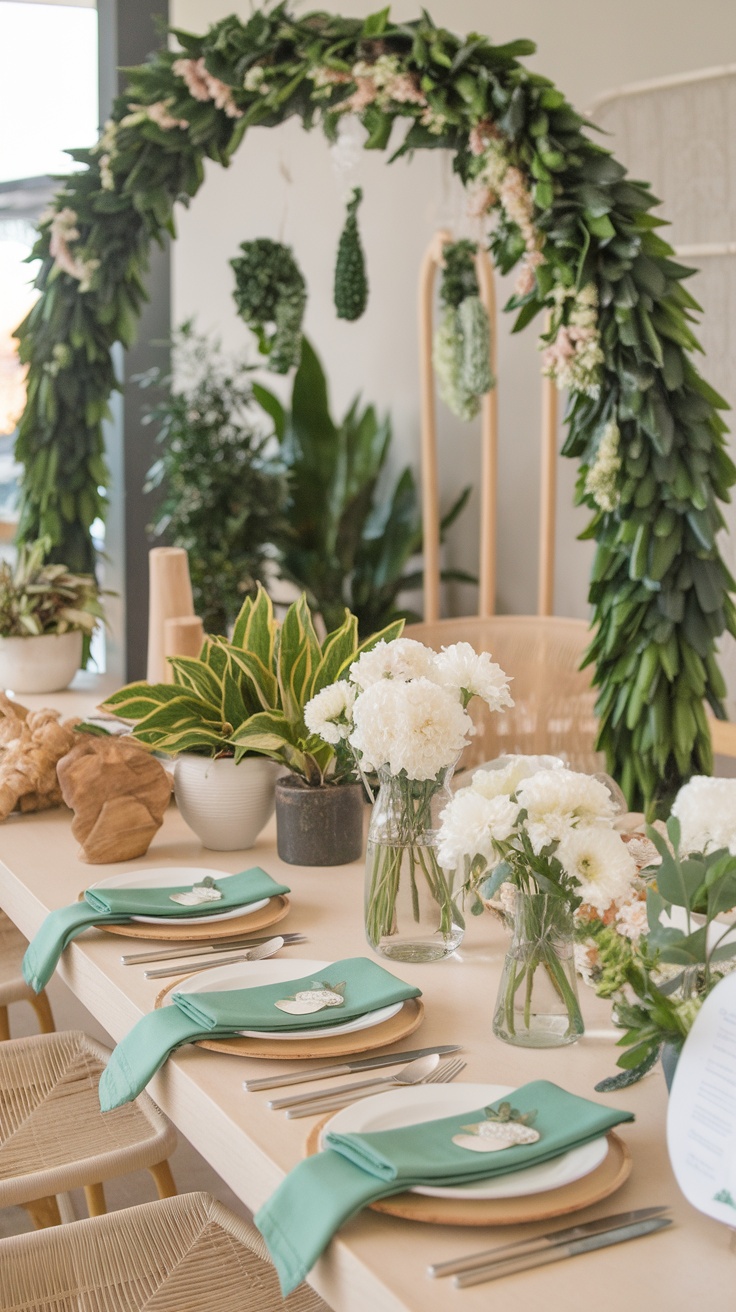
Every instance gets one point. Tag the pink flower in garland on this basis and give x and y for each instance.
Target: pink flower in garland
(202, 85)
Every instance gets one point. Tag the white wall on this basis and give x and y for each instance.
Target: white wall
(587, 47)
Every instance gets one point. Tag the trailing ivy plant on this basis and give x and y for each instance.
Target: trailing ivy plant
(642, 422)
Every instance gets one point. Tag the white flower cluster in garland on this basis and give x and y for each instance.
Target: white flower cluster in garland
(575, 356)
(63, 233)
(601, 480)
(403, 707)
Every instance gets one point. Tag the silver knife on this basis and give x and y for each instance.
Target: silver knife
(195, 950)
(542, 1242)
(208, 963)
(510, 1267)
(346, 1068)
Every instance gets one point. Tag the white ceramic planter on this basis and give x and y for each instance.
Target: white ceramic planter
(225, 804)
(45, 663)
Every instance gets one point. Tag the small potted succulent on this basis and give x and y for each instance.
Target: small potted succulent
(234, 720)
(46, 612)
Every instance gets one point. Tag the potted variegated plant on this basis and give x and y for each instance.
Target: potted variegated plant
(234, 720)
(46, 612)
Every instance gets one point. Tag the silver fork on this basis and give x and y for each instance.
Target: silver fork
(443, 1075)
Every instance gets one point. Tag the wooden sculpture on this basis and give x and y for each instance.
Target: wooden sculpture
(31, 743)
(118, 793)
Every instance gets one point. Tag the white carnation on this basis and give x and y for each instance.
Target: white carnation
(599, 861)
(706, 810)
(417, 727)
(587, 960)
(471, 824)
(329, 714)
(473, 673)
(506, 779)
(401, 659)
(557, 801)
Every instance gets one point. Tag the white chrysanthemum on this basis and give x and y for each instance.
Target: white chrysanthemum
(471, 823)
(330, 713)
(506, 779)
(631, 919)
(600, 863)
(416, 726)
(474, 673)
(401, 659)
(706, 809)
(557, 801)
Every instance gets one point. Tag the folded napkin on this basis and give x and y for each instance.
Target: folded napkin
(364, 984)
(323, 1191)
(116, 906)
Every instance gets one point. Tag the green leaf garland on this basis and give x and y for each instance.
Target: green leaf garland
(579, 232)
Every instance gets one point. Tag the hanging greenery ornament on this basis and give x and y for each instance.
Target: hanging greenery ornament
(462, 342)
(584, 243)
(351, 283)
(271, 295)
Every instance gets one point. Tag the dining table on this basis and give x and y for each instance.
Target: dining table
(377, 1262)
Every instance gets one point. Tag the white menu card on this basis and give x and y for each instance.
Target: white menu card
(701, 1119)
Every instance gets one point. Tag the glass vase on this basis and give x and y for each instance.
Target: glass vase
(410, 914)
(537, 1004)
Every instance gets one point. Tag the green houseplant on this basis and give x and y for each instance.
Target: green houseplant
(239, 707)
(46, 612)
(351, 543)
(223, 491)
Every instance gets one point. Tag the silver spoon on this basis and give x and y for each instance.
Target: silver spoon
(191, 967)
(413, 1073)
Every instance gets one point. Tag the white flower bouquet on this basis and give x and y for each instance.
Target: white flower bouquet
(403, 714)
(545, 835)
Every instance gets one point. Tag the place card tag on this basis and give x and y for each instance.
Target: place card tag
(206, 891)
(701, 1117)
(504, 1127)
(318, 998)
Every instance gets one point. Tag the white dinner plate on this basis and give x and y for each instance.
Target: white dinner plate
(400, 1107)
(251, 974)
(173, 877)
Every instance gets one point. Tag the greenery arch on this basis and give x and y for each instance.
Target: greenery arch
(642, 422)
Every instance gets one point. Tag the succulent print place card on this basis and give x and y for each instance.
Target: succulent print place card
(701, 1118)
(321, 996)
(503, 1127)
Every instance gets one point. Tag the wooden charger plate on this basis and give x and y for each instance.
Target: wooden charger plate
(278, 907)
(613, 1171)
(342, 1045)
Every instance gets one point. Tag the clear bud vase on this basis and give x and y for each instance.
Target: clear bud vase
(410, 914)
(537, 1004)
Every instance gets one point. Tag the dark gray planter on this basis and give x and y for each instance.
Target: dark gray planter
(318, 826)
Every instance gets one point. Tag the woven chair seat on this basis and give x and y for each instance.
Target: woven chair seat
(53, 1136)
(186, 1254)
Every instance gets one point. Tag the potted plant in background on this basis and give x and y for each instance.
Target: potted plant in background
(233, 719)
(45, 615)
(224, 489)
(352, 540)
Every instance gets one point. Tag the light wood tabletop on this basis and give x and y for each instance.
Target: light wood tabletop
(377, 1263)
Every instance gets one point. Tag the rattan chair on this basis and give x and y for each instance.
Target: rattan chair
(13, 987)
(53, 1136)
(187, 1254)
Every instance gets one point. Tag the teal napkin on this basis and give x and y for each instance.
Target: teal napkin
(366, 986)
(115, 906)
(323, 1191)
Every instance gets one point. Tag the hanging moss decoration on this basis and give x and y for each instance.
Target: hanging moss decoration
(270, 292)
(351, 283)
(462, 341)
